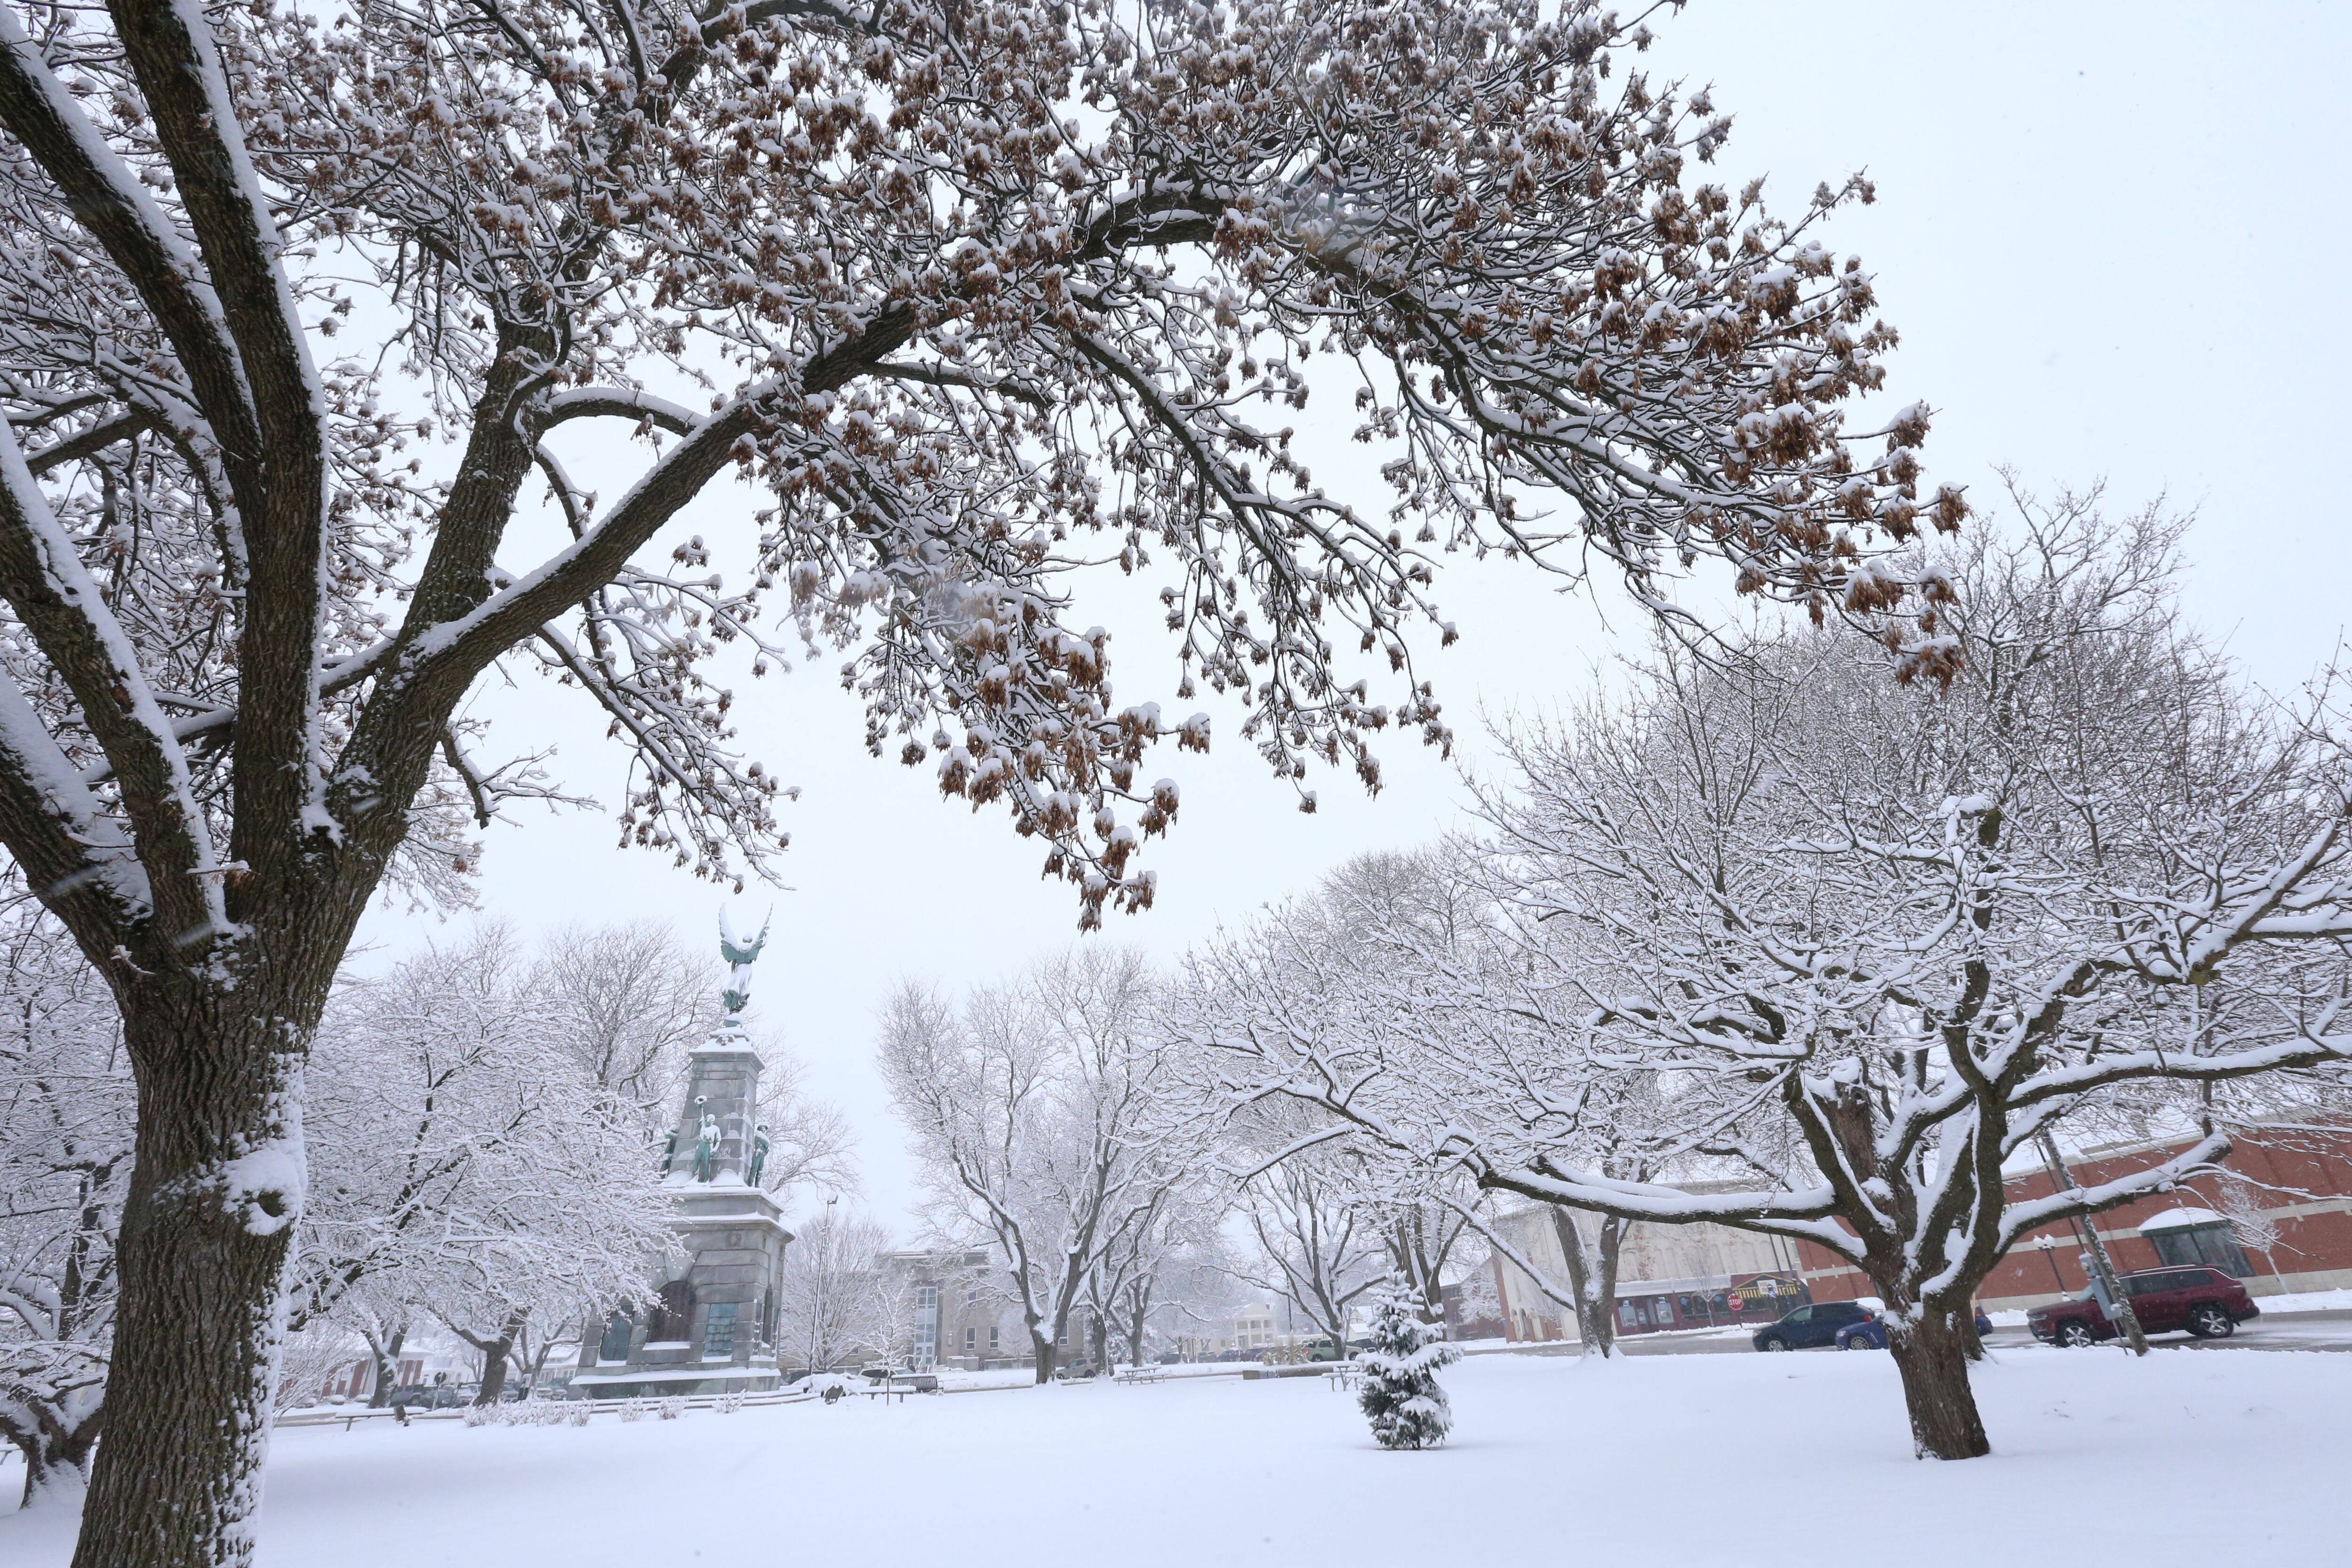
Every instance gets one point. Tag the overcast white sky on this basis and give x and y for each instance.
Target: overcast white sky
(2113, 236)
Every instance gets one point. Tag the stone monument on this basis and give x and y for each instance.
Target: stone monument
(709, 1328)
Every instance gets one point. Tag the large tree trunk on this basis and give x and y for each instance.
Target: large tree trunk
(56, 1452)
(1041, 1345)
(386, 1352)
(1594, 1287)
(496, 1353)
(213, 1199)
(1932, 1357)
(1138, 1304)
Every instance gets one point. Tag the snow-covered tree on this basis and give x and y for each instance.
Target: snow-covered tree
(1149, 1247)
(1400, 1393)
(830, 1297)
(1042, 1117)
(973, 297)
(631, 1000)
(464, 1167)
(66, 1099)
(1319, 1246)
(1864, 944)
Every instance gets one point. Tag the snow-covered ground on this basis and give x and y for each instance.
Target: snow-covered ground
(2306, 1301)
(1759, 1460)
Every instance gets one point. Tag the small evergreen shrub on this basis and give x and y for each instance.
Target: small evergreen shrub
(1400, 1396)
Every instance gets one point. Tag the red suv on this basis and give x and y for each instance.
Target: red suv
(2206, 1302)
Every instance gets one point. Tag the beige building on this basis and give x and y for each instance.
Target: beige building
(1668, 1276)
(951, 1309)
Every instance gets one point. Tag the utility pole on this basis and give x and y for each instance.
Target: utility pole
(2096, 1250)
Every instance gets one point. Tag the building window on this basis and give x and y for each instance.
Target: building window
(991, 1338)
(2209, 1245)
(672, 1320)
(971, 1297)
(970, 1337)
(719, 1330)
(926, 1328)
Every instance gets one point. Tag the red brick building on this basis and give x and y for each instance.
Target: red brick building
(2287, 1209)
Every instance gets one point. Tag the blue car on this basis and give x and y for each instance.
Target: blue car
(1811, 1327)
(1870, 1334)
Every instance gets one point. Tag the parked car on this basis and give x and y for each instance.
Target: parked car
(1870, 1334)
(1811, 1327)
(2205, 1303)
(425, 1397)
(1322, 1348)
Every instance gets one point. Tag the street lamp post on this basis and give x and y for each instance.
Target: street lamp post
(2049, 1245)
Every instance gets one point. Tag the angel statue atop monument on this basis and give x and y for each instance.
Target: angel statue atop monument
(740, 957)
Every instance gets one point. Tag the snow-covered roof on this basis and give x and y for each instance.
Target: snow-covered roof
(2180, 1219)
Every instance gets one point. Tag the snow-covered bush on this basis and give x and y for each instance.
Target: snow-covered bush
(577, 1413)
(633, 1410)
(1400, 1396)
(672, 1408)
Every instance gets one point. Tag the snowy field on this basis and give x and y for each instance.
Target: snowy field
(1760, 1461)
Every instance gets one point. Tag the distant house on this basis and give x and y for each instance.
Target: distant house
(1253, 1328)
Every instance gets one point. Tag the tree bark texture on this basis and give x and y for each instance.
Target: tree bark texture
(1932, 1358)
(1041, 1344)
(213, 1199)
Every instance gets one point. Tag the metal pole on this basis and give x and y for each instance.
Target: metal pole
(2050, 1253)
(2095, 1249)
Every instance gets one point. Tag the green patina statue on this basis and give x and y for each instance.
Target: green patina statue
(706, 1142)
(739, 956)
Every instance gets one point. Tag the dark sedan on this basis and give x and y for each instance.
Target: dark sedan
(1813, 1327)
